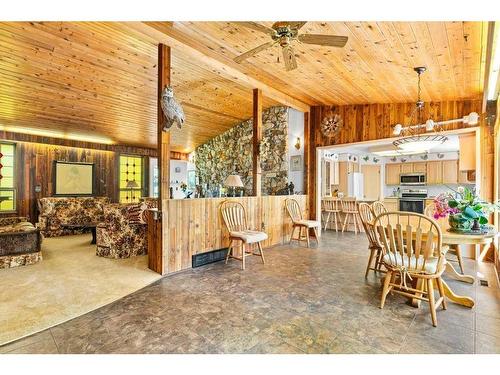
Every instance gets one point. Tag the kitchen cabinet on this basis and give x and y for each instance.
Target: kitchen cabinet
(450, 171)
(330, 174)
(392, 172)
(407, 168)
(391, 204)
(467, 154)
(420, 167)
(434, 172)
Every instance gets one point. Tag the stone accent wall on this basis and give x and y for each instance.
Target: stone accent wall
(231, 153)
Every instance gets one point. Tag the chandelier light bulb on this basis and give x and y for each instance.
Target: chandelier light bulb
(471, 119)
(397, 129)
(429, 125)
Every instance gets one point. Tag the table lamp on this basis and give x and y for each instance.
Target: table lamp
(234, 181)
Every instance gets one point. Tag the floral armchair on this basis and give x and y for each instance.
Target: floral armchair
(123, 233)
(55, 212)
(20, 242)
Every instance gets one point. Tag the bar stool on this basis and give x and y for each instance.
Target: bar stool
(350, 210)
(332, 206)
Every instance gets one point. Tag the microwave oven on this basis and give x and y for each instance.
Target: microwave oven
(412, 179)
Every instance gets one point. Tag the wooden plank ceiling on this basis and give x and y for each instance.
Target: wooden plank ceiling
(375, 66)
(100, 78)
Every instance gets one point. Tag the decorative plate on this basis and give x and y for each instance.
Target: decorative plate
(331, 124)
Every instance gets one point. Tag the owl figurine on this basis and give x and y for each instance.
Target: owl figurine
(172, 110)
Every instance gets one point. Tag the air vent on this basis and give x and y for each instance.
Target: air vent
(209, 257)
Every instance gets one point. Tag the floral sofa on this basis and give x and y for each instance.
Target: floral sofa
(20, 242)
(123, 233)
(55, 212)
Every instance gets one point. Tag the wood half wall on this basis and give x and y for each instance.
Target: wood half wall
(195, 226)
(368, 122)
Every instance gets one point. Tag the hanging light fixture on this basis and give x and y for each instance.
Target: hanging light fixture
(418, 142)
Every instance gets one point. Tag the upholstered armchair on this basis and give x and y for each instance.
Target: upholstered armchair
(123, 232)
(20, 242)
(55, 212)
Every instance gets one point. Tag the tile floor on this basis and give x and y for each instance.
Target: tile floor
(302, 301)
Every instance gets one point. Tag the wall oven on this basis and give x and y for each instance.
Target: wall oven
(413, 200)
(412, 179)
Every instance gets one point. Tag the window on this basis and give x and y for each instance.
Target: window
(154, 189)
(131, 178)
(7, 187)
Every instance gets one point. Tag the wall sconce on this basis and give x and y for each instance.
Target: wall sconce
(297, 143)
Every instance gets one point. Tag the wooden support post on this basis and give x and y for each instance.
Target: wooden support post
(157, 254)
(257, 138)
(307, 156)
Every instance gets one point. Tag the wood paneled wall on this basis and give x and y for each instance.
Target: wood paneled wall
(195, 225)
(34, 167)
(367, 122)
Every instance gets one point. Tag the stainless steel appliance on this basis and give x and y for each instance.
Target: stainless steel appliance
(412, 179)
(413, 200)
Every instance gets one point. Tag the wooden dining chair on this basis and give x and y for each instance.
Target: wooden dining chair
(366, 215)
(412, 249)
(235, 220)
(295, 213)
(378, 208)
(350, 210)
(331, 207)
(429, 211)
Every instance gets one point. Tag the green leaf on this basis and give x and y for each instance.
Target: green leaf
(483, 220)
(478, 207)
(453, 203)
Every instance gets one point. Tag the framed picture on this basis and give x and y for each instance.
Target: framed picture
(296, 163)
(73, 179)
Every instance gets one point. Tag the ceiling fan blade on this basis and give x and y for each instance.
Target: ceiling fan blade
(296, 25)
(289, 58)
(253, 51)
(324, 40)
(258, 27)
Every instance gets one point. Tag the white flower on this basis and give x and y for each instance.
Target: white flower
(460, 189)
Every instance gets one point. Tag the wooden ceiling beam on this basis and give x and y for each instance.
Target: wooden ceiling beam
(220, 65)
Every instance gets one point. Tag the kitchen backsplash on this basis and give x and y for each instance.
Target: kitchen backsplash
(432, 190)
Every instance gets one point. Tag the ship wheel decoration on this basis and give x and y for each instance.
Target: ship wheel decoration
(331, 124)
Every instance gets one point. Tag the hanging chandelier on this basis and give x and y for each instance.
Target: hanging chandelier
(417, 141)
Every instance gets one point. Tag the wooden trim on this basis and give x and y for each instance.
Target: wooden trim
(488, 57)
(307, 154)
(257, 138)
(30, 138)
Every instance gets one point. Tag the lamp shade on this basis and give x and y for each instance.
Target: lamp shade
(132, 184)
(233, 180)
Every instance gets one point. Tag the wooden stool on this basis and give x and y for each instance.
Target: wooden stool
(350, 210)
(332, 208)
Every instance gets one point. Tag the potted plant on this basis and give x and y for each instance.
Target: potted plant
(466, 212)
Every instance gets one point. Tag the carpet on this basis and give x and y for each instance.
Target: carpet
(70, 281)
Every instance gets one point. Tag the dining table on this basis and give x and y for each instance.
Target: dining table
(481, 241)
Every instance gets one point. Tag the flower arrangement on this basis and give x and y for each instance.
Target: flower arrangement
(465, 210)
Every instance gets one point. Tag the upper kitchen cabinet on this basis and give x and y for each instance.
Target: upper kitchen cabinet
(392, 172)
(420, 167)
(467, 158)
(407, 168)
(450, 171)
(434, 172)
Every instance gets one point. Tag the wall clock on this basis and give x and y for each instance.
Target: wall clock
(331, 124)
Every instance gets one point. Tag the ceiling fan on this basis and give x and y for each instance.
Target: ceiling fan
(284, 33)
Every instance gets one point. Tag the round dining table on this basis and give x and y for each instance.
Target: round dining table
(454, 240)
